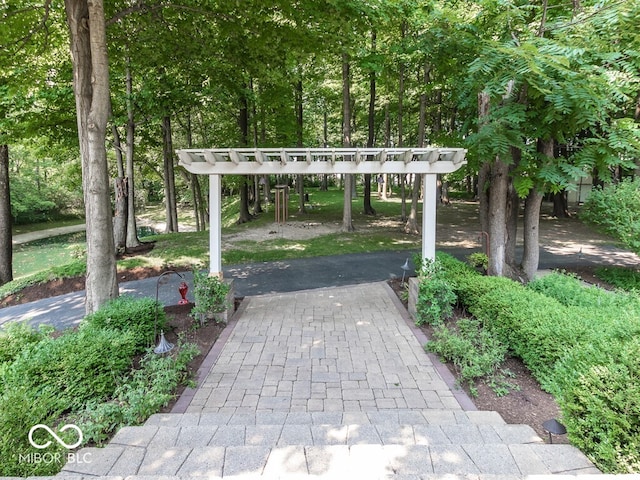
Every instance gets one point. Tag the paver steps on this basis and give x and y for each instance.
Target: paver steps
(399, 444)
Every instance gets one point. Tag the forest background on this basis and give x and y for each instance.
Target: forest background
(541, 93)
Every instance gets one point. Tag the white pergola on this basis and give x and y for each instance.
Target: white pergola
(215, 162)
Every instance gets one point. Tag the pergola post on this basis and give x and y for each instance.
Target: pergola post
(215, 226)
(429, 217)
(215, 162)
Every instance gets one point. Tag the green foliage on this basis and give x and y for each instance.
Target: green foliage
(210, 293)
(17, 336)
(82, 377)
(144, 392)
(475, 351)
(601, 403)
(435, 294)
(478, 260)
(582, 345)
(616, 209)
(20, 409)
(76, 366)
(128, 314)
(50, 378)
(624, 278)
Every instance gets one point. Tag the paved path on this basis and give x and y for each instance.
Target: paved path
(47, 233)
(333, 384)
(327, 350)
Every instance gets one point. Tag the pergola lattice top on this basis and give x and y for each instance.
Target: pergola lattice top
(280, 161)
(313, 161)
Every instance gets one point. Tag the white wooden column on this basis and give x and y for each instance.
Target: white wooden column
(215, 226)
(429, 216)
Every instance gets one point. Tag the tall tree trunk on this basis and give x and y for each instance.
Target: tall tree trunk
(403, 194)
(347, 221)
(88, 47)
(531, 251)
(412, 222)
(199, 205)
(387, 143)
(299, 142)
(243, 123)
(324, 185)
(498, 190)
(132, 225)
(371, 124)
(120, 188)
(6, 246)
(560, 205)
(171, 208)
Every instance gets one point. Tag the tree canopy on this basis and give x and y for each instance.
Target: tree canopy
(558, 81)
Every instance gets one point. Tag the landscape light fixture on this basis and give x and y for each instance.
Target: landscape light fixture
(405, 268)
(554, 427)
(163, 345)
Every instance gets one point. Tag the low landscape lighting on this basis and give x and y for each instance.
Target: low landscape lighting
(405, 268)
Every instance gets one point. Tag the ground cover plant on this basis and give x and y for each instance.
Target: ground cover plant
(83, 377)
(580, 343)
(623, 278)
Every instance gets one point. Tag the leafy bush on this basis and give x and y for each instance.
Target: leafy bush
(142, 394)
(475, 352)
(20, 409)
(435, 294)
(210, 293)
(616, 209)
(17, 336)
(621, 277)
(49, 378)
(601, 404)
(76, 366)
(135, 315)
(582, 344)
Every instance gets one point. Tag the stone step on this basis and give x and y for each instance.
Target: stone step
(155, 436)
(367, 461)
(430, 476)
(399, 417)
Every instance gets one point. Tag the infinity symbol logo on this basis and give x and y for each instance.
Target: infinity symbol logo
(57, 438)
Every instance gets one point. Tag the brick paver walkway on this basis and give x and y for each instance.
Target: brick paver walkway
(330, 383)
(345, 349)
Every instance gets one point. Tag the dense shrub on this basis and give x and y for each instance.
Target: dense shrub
(49, 380)
(142, 394)
(76, 366)
(616, 209)
(435, 293)
(135, 315)
(582, 344)
(600, 400)
(17, 336)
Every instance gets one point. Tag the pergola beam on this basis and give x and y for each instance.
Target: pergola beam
(313, 161)
(214, 162)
